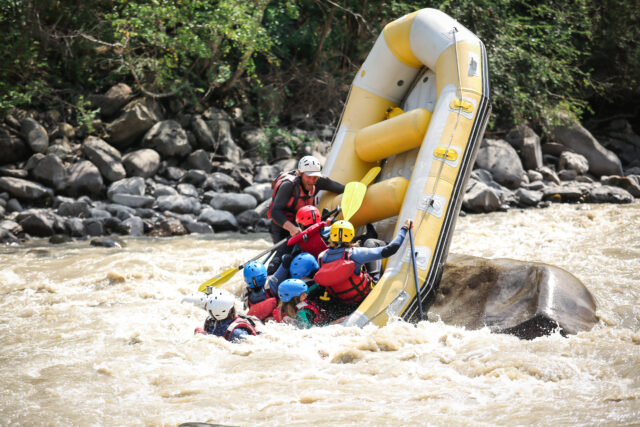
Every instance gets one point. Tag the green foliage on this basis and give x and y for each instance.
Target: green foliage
(85, 115)
(544, 55)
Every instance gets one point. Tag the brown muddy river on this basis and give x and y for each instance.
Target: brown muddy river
(96, 336)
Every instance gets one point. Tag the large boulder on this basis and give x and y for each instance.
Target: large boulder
(84, 178)
(522, 298)
(137, 118)
(35, 135)
(23, 189)
(50, 171)
(143, 163)
(575, 137)
(111, 102)
(168, 138)
(12, 148)
(501, 159)
(107, 158)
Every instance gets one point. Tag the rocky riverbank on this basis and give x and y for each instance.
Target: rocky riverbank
(152, 169)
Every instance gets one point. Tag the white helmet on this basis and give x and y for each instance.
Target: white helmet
(219, 304)
(309, 165)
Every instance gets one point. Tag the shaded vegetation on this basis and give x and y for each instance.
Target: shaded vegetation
(285, 61)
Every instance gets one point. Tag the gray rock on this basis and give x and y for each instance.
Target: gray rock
(133, 200)
(78, 209)
(567, 174)
(577, 138)
(173, 173)
(516, 136)
(144, 162)
(573, 161)
(11, 226)
(501, 159)
(248, 218)
(568, 193)
(25, 190)
(528, 197)
(260, 192)
(61, 148)
(549, 175)
(35, 135)
(7, 237)
(168, 227)
(222, 183)
(36, 222)
(107, 159)
(187, 190)
(50, 171)
(13, 172)
(253, 138)
(203, 134)
(111, 102)
(521, 298)
(199, 159)
(196, 227)
(12, 148)
(99, 213)
(266, 173)
(194, 176)
(263, 208)
(75, 227)
(219, 220)
(121, 212)
(164, 190)
(627, 182)
(93, 226)
(609, 194)
(480, 197)
(134, 186)
(108, 242)
(232, 202)
(84, 178)
(132, 124)
(133, 226)
(168, 138)
(178, 203)
(13, 205)
(531, 152)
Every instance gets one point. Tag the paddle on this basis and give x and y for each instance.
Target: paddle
(226, 275)
(415, 273)
(354, 193)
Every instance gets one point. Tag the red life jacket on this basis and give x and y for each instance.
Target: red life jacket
(298, 199)
(278, 314)
(340, 279)
(310, 240)
(240, 322)
(320, 316)
(263, 309)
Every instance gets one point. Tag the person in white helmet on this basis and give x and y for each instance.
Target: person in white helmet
(292, 191)
(223, 321)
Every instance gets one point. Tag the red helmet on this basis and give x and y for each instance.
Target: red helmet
(308, 215)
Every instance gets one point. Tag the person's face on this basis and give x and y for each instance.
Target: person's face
(308, 181)
(303, 296)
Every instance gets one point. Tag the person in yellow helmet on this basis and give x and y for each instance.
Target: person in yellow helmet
(342, 270)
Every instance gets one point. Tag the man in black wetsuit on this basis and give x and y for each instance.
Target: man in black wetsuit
(291, 192)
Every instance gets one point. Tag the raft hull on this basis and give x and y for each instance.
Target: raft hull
(436, 71)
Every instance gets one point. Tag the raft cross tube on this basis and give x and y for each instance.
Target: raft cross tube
(393, 136)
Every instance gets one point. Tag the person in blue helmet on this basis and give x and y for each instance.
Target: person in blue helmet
(294, 307)
(223, 321)
(261, 293)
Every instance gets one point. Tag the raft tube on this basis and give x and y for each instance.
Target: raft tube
(418, 107)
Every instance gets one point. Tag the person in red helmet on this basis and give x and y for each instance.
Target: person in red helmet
(316, 231)
(292, 191)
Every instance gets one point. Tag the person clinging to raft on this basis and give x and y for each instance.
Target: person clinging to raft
(342, 267)
(291, 191)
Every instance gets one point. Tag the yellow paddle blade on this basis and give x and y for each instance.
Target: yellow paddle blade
(352, 198)
(371, 175)
(219, 280)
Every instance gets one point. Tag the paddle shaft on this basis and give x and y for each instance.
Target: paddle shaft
(415, 273)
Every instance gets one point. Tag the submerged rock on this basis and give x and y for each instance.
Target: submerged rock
(525, 299)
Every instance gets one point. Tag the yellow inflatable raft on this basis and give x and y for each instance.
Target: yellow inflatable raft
(418, 108)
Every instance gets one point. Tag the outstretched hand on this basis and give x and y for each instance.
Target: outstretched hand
(408, 224)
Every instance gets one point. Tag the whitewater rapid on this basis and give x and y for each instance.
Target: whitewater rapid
(98, 336)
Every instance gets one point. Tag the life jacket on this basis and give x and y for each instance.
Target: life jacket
(298, 199)
(259, 295)
(263, 309)
(341, 280)
(279, 315)
(240, 322)
(320, 316)
(310, 240)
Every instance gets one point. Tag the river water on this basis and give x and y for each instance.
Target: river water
(97, 336)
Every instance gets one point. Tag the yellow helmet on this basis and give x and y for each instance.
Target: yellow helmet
(342, 232)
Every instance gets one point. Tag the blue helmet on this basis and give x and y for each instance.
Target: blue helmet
(255, 274)
(291, 288)
(303, 265)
